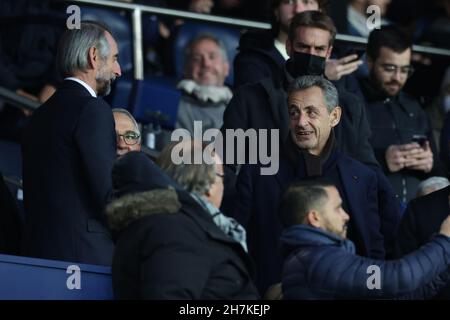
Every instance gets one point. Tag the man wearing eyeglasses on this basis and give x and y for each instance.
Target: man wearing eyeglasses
(127, 132)
(401, 135)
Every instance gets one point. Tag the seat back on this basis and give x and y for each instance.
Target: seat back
(38, 279)
(155, 102)
(189, 30)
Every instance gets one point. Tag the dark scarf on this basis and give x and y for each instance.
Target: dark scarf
(314, 165)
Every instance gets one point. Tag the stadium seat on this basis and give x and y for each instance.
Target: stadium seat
(10, 159)
(155, 101)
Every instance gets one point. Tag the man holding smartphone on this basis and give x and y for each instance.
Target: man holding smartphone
(401, 135)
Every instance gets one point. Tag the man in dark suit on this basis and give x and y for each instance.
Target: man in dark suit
(421, 221)
(262, 105)
(311, 153)
(68, 153)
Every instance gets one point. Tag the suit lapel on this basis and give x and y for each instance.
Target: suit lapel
(355, 194)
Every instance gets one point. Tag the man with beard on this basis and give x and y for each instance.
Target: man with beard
(401, 135)
(320, 262)
(68, 152)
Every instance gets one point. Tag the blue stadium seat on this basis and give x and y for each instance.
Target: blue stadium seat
(187, 31)
(38, 279)
(10, 159)
(155, 101)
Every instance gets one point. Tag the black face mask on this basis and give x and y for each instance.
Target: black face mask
(302, 64)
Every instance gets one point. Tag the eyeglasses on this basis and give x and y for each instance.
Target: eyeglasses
(392, 69)
(130, 137)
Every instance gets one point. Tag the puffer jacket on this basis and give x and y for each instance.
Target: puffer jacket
(319, 265)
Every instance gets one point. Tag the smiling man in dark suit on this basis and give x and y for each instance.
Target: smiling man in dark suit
(311, 153)
(68, 153)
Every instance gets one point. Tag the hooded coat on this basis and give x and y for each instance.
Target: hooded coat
(168, 246)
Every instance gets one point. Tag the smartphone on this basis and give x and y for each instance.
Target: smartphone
(420, 139)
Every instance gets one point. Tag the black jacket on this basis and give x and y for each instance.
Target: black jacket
(68, 153)
(168, 245)
(422, 219)
(395, 121)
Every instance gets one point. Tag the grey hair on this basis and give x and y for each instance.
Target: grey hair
(129, 115)
(435, 183)
(201, 37)
(74, 45)
(329, 91)
(196, 178)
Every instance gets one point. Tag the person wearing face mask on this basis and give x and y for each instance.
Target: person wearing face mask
(263, 54)
(261, 105)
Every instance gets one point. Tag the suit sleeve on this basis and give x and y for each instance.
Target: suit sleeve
(349, 275)
(390, 212)
(376, 249)
(406, 237)
(95, 138)
(244, 196)
(234, 117)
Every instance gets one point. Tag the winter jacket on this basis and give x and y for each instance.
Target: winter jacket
(320, 265)
(168, 246)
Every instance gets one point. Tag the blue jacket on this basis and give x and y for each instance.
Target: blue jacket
(258, 198)
(320, 265)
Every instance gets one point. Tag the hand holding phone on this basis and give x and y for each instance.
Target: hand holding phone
(420, 139)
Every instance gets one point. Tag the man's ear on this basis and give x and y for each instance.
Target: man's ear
(335, 116)
(93, 57)
(314, 219)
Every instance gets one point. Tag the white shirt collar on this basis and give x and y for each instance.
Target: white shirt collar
(281, 47)
(84, 84)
